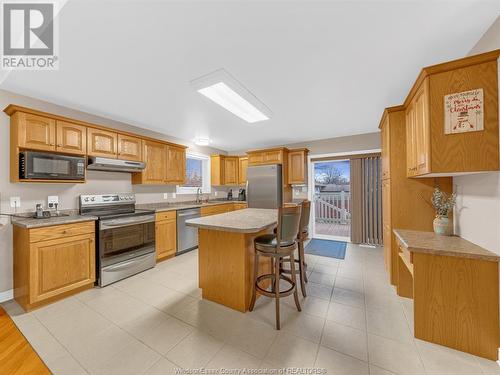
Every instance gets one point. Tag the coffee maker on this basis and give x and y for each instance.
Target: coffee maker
(242, 195)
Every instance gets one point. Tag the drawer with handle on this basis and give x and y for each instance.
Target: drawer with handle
(64, 230)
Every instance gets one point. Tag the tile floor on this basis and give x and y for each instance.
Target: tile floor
(352, 323)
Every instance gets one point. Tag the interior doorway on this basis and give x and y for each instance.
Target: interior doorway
(332, 200)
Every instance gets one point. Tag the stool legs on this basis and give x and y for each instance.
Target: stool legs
(277, 291)
(302, 268)
(255, 276)
(294, 279)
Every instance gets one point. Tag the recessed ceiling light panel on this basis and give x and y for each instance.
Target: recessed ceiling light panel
(225, 90)
(202, 141)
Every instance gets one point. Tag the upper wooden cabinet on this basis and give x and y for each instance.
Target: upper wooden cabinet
(297, 166)
(224, 170)
(34, 132)
(432, 151)
(231, 176)
(384, 155)
(268, 156)
(102, 143)
(176, 165)
(71, 138)
(242, 170)
(129, 148)
(155, 157)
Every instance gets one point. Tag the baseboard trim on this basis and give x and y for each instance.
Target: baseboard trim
(7, 295)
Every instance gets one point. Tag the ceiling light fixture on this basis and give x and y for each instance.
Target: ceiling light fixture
(202, 141)
(225, 90)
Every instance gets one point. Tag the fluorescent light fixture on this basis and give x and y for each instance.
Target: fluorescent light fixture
(202, 141)
(225, 90)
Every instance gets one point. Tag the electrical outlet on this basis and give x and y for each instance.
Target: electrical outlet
(296, 191)
(15, 202)
(215, 193)
(174, 195)
(165, 195)
(52, 200)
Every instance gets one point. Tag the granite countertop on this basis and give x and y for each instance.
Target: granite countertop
(161, 207)
(30, 222)
(431, 243)
(248, 220)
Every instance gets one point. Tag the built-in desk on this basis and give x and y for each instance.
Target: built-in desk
(454, 286)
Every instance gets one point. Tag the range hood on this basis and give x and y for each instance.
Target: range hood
(97, 163)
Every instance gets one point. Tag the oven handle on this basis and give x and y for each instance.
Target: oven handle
(121, 266)
(105, 225)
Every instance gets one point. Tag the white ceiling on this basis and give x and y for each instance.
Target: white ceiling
(325, 69)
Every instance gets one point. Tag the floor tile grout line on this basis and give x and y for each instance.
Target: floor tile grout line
(60, 343)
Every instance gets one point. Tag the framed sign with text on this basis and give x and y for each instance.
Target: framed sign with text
(464, 112)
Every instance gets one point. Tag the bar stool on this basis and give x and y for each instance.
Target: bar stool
(301, 237)
(277, 247)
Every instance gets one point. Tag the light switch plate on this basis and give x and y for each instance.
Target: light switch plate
(174, 195)
(15, 202)
(215, 193)
(52, 200)
(165, 195)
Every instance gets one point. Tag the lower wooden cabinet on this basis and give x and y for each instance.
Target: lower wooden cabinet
(239, 206)
(216, 209)
(52, 262)
(166, 234)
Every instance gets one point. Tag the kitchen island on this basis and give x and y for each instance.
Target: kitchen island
(226, 254)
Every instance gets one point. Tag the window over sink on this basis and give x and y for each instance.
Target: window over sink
(197, 174)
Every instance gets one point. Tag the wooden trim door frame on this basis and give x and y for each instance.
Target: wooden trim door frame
(336, 156)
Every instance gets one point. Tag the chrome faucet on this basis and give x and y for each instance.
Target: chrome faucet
(199, 193)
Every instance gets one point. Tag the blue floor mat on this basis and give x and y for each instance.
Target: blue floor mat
(326, 248)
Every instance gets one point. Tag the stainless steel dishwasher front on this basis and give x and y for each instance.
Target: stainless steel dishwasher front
(187, 237)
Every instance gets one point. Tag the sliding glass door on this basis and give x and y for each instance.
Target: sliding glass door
(332, 200)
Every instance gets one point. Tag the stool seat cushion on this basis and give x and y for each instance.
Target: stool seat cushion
(269, 241)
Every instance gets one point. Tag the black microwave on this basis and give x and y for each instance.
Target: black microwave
(49, 166)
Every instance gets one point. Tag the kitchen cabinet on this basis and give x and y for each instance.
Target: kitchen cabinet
(71, 138)
(297, 166)
(52, 262)
(34, 132)
(430, 151)
(176, 165)
(155, 173)
(166, 234)
(242, 170)
(403, 199)
(224, 170)
(385, 152)
(129, 148)
(216, 209)
(268, 156)
(239, 206)
(231, 176)
(102, 143)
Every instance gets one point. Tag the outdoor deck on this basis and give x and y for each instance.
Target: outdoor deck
(332, 229)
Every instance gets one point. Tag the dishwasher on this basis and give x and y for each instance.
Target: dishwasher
(187, 237)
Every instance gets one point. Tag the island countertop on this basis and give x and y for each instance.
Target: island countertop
(248, 220)
(431, 243)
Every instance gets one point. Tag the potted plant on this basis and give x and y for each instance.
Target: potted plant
(443, 204)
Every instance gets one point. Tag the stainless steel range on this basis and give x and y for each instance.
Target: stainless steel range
(125, 242)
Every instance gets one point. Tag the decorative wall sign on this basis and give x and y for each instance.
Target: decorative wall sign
(463, 112)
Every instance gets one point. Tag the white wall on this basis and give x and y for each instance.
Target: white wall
(477, 215)
(97, 182)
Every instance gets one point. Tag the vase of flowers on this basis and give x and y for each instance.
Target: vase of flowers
(443, 204)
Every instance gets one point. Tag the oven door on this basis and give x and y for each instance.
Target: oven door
(126, 238)
(48, 166)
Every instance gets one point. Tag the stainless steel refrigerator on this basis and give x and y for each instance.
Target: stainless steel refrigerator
(264, 186)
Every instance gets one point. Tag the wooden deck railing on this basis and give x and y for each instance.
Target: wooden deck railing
(332, 207)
